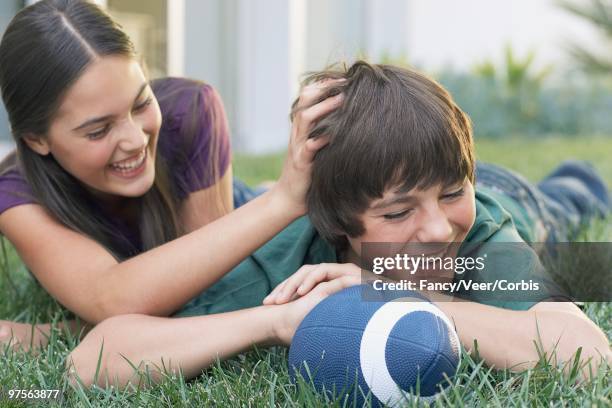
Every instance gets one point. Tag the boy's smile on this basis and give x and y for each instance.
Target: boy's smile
(434, 215)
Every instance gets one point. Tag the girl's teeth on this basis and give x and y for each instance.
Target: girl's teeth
(131, 165)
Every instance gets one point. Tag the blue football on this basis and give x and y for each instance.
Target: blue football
(385, 349)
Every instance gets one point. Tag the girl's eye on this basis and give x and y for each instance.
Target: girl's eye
(143, 105)
(455, 194)
(99, 133)
(397, 215)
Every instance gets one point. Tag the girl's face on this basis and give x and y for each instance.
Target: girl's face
(106, 129)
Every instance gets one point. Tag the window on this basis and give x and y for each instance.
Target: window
(145, 21)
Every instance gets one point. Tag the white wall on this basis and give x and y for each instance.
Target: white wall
(461, 33)
(387, 29)
(253, 51)
(242, 47)
(7, 10)
(335, 31)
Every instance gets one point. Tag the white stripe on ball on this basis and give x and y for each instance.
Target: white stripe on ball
(374, 341)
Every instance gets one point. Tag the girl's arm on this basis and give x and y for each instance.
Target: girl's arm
(86, 279)
(150, 343)
(191, 343)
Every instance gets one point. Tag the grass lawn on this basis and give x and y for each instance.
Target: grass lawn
(260, 377)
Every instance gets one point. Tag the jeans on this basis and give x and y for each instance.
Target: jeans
(244, 193)
(562, 204)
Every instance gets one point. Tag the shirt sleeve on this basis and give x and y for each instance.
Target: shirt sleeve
(194, 138)
(14, 189)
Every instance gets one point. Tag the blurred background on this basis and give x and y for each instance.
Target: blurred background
(519, 68)
(534, 75)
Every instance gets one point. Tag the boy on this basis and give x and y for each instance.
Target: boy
(400, 167)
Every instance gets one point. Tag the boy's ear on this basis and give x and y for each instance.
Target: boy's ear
(37, 143)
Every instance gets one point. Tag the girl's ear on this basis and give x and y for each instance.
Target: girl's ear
(37, 143)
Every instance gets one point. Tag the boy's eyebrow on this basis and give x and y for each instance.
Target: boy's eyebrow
(107, 117)
(398, 199)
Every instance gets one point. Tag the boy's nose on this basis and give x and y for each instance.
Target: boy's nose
(434, 226)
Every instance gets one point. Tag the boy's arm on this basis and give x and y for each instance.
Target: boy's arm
(508, 338)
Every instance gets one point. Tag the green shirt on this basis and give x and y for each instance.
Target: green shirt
(299, 244)
(248, 283)
(501, 231)
(498, 211)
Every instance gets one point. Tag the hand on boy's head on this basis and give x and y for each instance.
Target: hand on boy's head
(295, 176)
(316, 92)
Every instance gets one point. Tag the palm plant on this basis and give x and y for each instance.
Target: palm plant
(598, 13)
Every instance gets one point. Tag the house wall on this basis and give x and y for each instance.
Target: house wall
(7, 11)
(255, 51)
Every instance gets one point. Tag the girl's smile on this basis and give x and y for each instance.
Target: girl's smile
(131, 167)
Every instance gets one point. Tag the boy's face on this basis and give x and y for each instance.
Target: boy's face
(434, 215)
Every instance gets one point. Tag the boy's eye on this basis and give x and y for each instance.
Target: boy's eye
(397, 215)
(143, 105)
(98, 133)
(455, 194)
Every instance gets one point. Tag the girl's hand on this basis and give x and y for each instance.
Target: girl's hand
(28, 337)
(295, 177)
(293, 313)
(308, 276)
(24, 336)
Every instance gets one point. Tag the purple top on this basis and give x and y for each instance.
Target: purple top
(193, 140)
(192, 108)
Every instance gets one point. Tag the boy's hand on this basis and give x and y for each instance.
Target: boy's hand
(309, 276)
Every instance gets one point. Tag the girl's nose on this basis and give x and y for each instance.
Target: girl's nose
(132, 138)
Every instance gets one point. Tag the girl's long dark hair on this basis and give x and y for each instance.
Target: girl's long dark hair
(44, 50)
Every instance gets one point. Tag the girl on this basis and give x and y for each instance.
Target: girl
(111, 209)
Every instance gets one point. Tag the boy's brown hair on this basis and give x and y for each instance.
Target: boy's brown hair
(397, 129)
